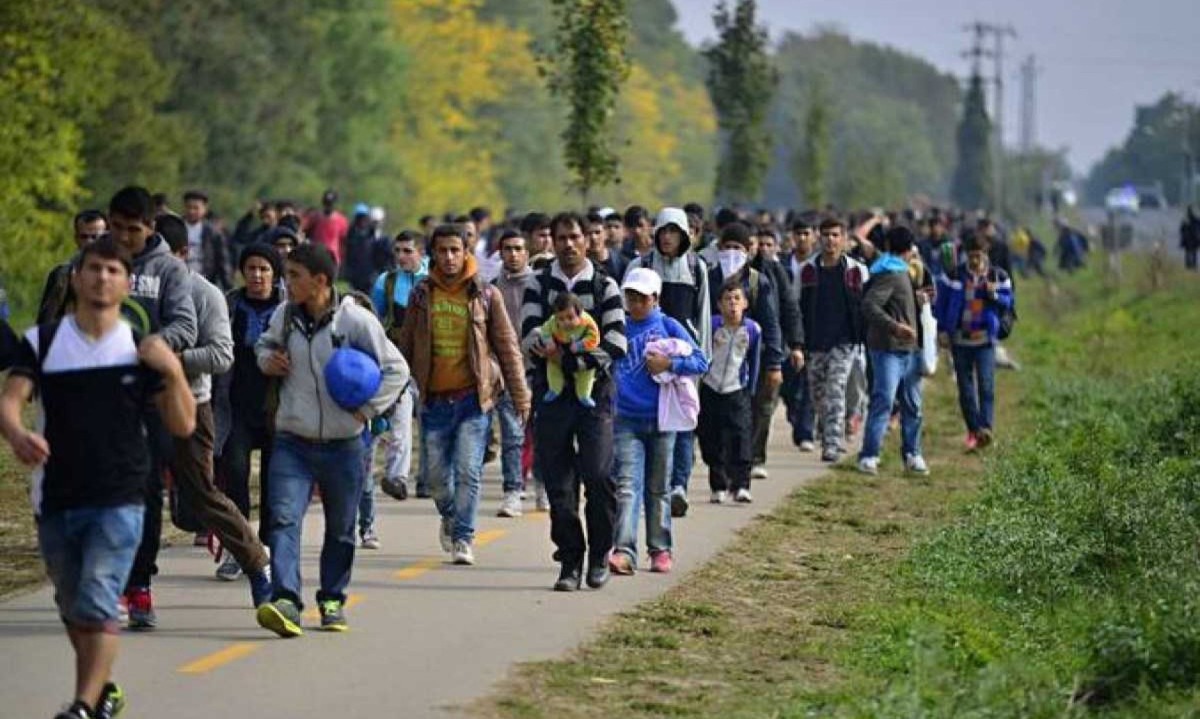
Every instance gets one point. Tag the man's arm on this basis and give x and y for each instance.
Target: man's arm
(270, 342)
(532, 313)
(504, 343)
(766, 313)
(29, 447)
(371, 338)
(213, 352)
(175, 403)
(704, 328)
(177, 313)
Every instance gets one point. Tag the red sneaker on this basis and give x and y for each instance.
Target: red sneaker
(660, 562)
(972, 442)
(141, 608)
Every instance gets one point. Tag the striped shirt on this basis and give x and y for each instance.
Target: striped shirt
(600, 297)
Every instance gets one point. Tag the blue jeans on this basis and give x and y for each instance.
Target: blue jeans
(642, 465)
(801, 413)
(512, 439)
(366, 503)
(975, 372)
(337, 469)
(88, 553)
(683, 459)
(454, 436)
(894, 372)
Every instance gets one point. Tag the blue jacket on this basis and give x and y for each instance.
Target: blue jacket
(951, 299)
(637, 392)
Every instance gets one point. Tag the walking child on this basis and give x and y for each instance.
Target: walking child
(726, 393)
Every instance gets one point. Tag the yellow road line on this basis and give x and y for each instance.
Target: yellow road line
(485, 538)
(231, 653)
(416, 569)
(423, 566)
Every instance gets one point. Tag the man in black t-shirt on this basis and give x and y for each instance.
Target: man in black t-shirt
(93, 380)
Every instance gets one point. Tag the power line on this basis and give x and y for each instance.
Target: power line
(998, 33)
(1029, 75)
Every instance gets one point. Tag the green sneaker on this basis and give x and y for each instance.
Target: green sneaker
(333, 616)
(280, 616)
(112, 702)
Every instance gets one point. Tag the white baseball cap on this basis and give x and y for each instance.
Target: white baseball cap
(644, 281)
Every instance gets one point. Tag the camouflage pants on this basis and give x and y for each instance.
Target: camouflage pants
(828, 373)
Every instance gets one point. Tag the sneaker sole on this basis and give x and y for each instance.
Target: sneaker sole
(464, 562)
(269, 617)
(343, 627)
(229, 577)
(679, 505)
(506, 513)
(142, 625)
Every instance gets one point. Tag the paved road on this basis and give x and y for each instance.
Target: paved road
(426, 637)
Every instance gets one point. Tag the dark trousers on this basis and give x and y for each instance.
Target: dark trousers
(574, 445)
(725, 438)
(763, 406)
(192, 470)
(144, 562)
(243, 439)
(1189, 257)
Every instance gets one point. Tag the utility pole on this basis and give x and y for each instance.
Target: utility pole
(998, 33)
(1029, 73)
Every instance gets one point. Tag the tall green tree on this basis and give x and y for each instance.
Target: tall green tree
(972, 185)
(811, 164)
(741, 82)
(589, 66)
(1155, 150)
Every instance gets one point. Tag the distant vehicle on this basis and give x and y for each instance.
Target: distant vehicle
(1151, 197)
(1123, 200)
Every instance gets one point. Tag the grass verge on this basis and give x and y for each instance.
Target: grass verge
(1053, 578)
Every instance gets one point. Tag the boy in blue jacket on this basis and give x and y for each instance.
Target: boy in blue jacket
(643, 453)
(968, 311)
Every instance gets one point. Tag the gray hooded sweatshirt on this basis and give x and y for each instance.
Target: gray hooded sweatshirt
(161, 287)
(306, 408)
(213, 350)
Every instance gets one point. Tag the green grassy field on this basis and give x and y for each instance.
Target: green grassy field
(1054, 576)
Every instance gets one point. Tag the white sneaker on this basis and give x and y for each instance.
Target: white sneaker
(719, 497)
(445, 534)
(743, 496)
(510, 506)
(370, 539)
(868, 465)
(808, 446)
(229, 570)
(542, 503)
(759, 472)
(915, 463)
(462, 553)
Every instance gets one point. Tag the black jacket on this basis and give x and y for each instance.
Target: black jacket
(855, 275)
(791, 320)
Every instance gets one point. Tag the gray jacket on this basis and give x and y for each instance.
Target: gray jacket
(161, 287)
(213, 352)
(305, 407)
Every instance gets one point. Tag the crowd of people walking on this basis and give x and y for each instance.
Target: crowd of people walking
(587, 352)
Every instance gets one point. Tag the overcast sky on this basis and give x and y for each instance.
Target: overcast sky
(1099, 58)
